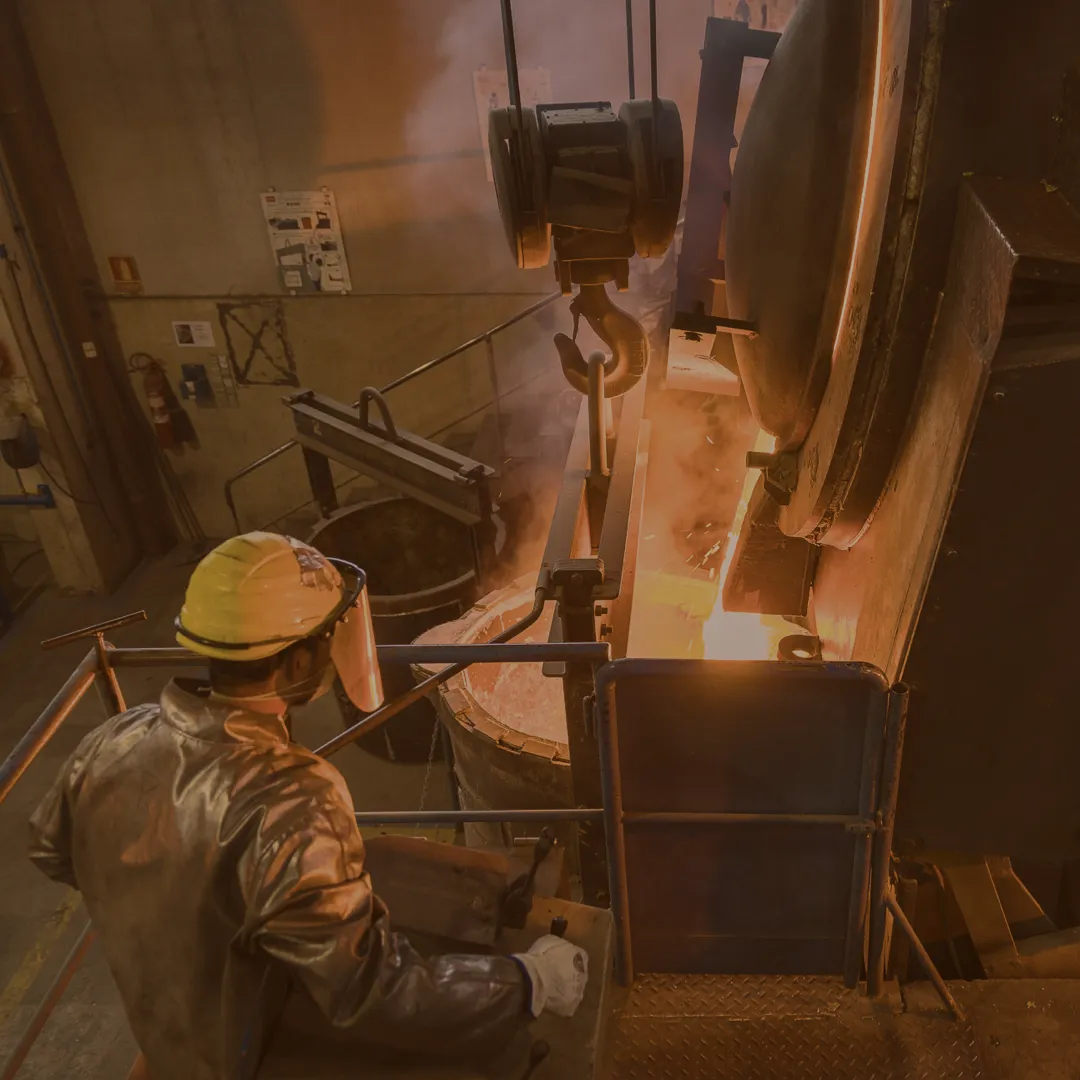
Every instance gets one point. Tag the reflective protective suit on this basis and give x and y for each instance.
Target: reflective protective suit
(217, 859)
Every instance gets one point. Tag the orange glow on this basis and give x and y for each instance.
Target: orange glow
(738, 635)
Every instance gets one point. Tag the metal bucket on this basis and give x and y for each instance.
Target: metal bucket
(507, 723)
(421, 571)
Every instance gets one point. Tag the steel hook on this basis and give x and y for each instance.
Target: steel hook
(620, 331)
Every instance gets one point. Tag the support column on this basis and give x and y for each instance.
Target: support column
(51, 284)
(62, 532)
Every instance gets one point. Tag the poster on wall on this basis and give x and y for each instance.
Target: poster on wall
(305, 237)
(193, 335)
(491, 91)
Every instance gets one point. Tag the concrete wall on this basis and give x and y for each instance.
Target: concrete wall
(174, 116)
(59, 531)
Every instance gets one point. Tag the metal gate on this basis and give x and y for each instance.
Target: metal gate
(742, 802)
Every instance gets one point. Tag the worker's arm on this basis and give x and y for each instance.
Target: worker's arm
(311, 907)
(50, 827)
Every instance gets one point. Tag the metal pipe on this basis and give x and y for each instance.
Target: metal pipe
(155, 657)
(460, 817)
(379, 717)
(493, 377)
(630, 45)
(49, 1002)
(923, 956)
(94, 630)
(494, 652)
(264, 460)
(655, 125)
(42, 500)
(473, 341)
(598, 460)
(46, 725)
(649, 817)
(392, 385)
(112, 697)
(652, 60)
(614, 837)
(512, 87)
(879, 873)
(858, 897)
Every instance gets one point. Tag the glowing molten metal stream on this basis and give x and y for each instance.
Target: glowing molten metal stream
(739, 635)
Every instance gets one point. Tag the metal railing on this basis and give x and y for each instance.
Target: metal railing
(486, 339)
(98, 668)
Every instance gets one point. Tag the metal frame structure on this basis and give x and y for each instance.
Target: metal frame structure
(327, 429)
(882, 741)
(486, 339)
(590, 560)
(98, 668)
(605, 818)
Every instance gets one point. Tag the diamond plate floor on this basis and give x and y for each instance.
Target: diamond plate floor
(677, 1027)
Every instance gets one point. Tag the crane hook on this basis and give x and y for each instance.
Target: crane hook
(620, 331)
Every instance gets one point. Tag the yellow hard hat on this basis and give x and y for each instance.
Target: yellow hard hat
(256, 594)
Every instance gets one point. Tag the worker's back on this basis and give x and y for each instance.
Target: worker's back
(171, 825)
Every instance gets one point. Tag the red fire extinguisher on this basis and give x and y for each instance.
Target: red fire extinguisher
(156, 389)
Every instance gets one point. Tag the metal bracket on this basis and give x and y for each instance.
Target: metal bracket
(781, 471)
(43, 500)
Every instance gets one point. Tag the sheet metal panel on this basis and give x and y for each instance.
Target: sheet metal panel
(744, 737)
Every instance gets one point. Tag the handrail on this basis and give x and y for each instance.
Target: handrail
(99, 662)
(429, 365)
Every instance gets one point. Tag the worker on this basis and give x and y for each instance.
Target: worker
(221, 864)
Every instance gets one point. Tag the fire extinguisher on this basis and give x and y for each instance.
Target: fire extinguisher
(156, 389)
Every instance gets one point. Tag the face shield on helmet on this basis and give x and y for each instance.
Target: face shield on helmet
(352, 645)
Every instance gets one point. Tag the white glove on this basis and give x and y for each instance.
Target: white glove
(558, 972)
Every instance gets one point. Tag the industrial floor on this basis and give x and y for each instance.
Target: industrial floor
(87, 1037)
(668, 1027)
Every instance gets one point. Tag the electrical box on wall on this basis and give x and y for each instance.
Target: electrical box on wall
(195, 385)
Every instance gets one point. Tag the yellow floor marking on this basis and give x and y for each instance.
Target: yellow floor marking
(30, 966)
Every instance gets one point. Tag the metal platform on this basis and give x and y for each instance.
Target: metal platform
(783, 1028)
(810, 1028)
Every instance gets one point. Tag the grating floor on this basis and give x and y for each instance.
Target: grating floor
(750, 1027)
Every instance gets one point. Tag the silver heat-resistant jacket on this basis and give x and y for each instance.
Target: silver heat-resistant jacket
(219, 861)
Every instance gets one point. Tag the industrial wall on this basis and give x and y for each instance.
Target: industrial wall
(173, 118)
